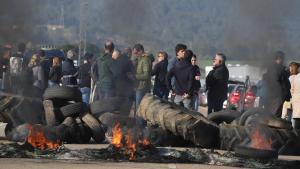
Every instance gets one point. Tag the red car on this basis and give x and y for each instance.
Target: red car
(241, 97)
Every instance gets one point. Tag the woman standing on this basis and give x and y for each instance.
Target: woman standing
(37, 72)
(295, 91)
(196, 84)
(55, 72)
(160, 71)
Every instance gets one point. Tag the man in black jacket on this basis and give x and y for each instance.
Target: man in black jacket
(183, 72)
(217, 84)
(278, 85)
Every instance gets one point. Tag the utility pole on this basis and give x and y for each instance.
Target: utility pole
(82, 29)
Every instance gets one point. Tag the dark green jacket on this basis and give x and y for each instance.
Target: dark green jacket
(107, 72)
(143, 73)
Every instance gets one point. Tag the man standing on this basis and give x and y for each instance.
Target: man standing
(143, 73)
(84, 76)
(217, 84)
(108, 70)
(278, 85)
(179, 51)
(184, 74)
(69, 72)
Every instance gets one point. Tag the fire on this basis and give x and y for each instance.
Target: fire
(117, 136)
(260, 141)
(130, 146)
(144, 142)
(38, 140)
(129, 142)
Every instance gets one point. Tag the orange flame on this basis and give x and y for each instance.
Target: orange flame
(130, 146)
(117, 136)
(38, 140)
(260, 141)
(144, 142)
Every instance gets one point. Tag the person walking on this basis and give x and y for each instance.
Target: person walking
(160, 71)
(217, 84)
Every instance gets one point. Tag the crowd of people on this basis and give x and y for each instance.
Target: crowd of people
(127, 74)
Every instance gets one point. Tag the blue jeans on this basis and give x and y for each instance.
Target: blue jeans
(179, 100)
(85, 92)
(139, 94)
(195, 102)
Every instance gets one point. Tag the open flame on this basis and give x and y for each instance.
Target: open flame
(129, 143)
(117, 136)
(259, 141)
(38, 140)
(130, 146)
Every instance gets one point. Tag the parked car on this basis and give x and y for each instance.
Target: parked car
(202, 96)
(241, 96)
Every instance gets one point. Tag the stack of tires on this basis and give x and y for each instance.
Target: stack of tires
(18, 109)
(112, 110)
(63, 105)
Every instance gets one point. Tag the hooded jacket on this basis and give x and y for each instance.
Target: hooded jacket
(184, 74)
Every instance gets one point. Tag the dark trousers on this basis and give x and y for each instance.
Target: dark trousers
(214, 105)
(297, 123)
(161, 91)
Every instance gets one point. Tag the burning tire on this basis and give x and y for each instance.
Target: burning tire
(258, 116)
(224, 116)
(95, 126)
(63, 92)
(74, 110)
(255, 153)
(282, 140)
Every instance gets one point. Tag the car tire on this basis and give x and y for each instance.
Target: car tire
(224, 116)
(105, 105)
(96, 127)
(250, 152)
(63, 92)
(283, 140)
(73, 110)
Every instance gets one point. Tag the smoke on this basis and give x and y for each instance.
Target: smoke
(129, 19)
(242, 29)
(257, 29)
